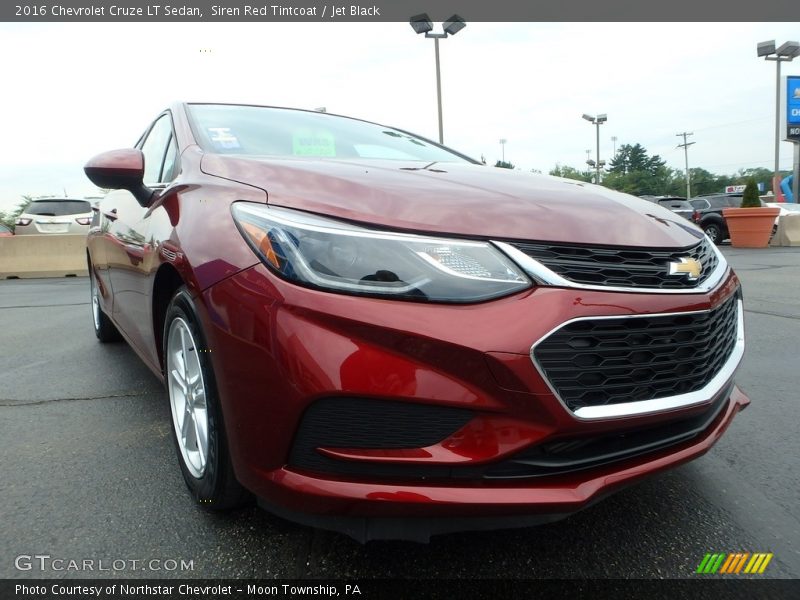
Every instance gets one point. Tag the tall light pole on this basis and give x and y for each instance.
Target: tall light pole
(503, 146)
(787, 52)
(614, 141)
(685, 145)
(422, 24)
(597, 121)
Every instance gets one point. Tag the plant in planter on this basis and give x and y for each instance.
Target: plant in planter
(751, 225)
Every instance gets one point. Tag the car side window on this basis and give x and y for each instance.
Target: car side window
(168, 172)
(154, 149)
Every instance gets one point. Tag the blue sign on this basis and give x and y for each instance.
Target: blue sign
(793, 100)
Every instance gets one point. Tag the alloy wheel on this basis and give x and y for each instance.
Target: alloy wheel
(95, 303)
(187, 396)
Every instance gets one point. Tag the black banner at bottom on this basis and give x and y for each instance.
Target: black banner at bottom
(401, 589)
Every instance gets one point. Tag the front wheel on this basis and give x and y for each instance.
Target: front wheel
(714, 232)
(197, 425)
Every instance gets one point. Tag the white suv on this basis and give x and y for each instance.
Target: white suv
(55, 215)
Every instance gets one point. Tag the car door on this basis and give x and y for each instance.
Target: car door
(130, 255)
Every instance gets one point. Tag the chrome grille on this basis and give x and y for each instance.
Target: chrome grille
(601, 361)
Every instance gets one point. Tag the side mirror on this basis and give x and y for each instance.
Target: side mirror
(120, 170)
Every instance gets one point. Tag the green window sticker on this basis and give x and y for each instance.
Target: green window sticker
(307, 142)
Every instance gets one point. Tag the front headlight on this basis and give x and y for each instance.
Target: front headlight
(340, 257)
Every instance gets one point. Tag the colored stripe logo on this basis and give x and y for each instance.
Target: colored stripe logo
(735, 563)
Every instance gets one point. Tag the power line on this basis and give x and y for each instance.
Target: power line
(661, 139)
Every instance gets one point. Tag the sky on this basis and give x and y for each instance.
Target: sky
(73, 90)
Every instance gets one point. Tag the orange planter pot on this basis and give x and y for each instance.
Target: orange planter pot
(750, 227)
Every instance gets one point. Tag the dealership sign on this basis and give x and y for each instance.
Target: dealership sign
(793, 108)
(738, 189)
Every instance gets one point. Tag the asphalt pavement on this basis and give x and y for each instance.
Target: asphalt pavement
(89, 473)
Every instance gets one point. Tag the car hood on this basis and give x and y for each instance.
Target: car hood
(459, 199)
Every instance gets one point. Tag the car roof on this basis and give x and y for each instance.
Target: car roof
(60, 200)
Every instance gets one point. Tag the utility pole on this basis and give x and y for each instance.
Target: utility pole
(614, 141)
(685, 145)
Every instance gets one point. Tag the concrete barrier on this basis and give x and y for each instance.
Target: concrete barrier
(28, 256)
(788, 233)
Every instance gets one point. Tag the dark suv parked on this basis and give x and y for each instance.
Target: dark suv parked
(676, 204)
(708, 214)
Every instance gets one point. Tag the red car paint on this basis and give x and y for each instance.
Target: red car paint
(277, 348)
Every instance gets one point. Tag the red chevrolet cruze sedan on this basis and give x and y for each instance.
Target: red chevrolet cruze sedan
(375, 334)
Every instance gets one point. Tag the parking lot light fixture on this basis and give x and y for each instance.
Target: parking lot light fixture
(789, 50)
(421, 23)
(597, 121)
(786, 52)
(453, 25)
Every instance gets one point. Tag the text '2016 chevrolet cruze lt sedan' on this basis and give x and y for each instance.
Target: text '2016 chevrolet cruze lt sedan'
(375, 334)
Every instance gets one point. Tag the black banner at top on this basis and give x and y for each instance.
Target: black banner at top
(393, 10)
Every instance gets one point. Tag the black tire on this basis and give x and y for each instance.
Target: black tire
(210, 480)
(714, 232)
(104, 329)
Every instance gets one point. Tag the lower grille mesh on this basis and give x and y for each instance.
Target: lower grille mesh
(369, 423)
(594, 362)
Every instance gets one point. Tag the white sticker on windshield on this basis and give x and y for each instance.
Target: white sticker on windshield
(222, 137)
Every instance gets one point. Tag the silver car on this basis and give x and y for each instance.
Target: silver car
(55, 215)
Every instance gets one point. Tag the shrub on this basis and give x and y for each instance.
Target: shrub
(751, 199)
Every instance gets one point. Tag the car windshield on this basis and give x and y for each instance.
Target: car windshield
(267, 131)
(58, 208)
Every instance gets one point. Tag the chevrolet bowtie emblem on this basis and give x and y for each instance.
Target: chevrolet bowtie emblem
(686, 266)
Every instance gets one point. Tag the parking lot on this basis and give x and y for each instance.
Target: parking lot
(89, 471)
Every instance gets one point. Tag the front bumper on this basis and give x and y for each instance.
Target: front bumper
(279, 350)
(368, 511)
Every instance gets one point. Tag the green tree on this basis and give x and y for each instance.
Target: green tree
(705, 182)
(570, 173)
(9, 218)
(503, 164)
(633, 171)
(634, 158)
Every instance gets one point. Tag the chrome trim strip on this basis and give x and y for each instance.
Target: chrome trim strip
(629, 409)
(545, 276)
